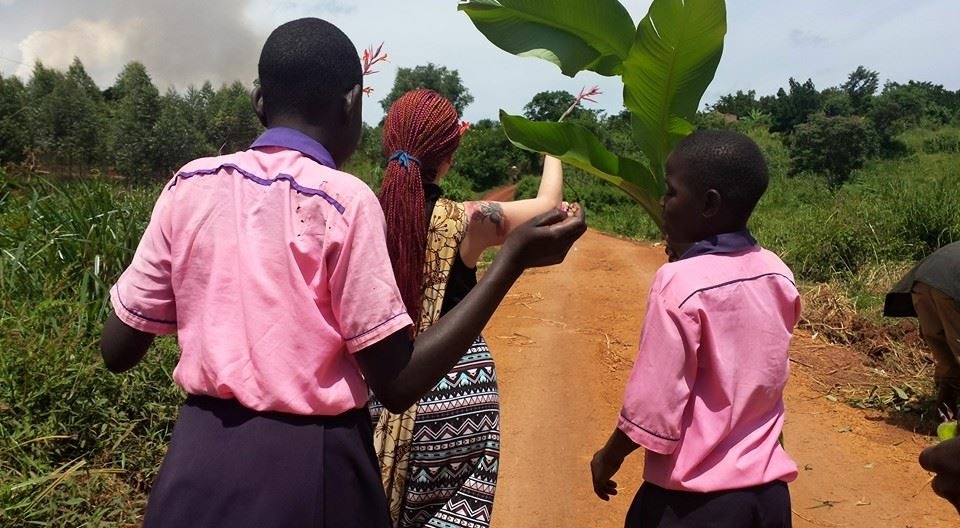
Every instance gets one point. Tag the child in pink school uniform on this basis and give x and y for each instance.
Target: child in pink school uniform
(271, 266)
(705, 398)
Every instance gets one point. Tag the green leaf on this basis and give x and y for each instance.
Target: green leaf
(577, 146)
(575, 35)
(672, 61)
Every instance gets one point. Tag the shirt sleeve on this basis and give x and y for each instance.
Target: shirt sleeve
(364, 294)
(662, 378)
(143, 295)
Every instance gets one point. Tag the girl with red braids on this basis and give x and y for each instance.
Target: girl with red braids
(439, 459)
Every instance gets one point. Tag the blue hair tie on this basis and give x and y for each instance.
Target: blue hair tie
(405, 159)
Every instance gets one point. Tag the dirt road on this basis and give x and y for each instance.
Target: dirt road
(564, 341)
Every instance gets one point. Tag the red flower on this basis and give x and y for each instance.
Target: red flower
(587, 95)
(464, 126)
(370, 57)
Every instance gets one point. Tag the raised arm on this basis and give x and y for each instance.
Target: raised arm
(491, 222)
(400, 372)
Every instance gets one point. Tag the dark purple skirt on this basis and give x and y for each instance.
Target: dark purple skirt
(765, 506)
(229, 466)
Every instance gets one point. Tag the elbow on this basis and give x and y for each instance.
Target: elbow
(113, 359)
(549, 203)
(395, 401)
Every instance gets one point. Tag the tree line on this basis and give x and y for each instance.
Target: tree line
(62, 121)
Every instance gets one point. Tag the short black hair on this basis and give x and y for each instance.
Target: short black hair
(729, 162)
(307, 65)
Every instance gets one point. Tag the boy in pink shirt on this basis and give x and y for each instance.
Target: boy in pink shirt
(705, 398)
(271, 266)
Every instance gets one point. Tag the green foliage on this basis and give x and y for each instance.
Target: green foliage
(947, 141)
(836, 102)
(740, 104)
(860, 86)
(578, 147)
(437, 78)
(576, 36)
(549, 106)
(79, 445)
(485, 157)
(14, 115)
(832, 146)
(665, 65)
(233, 125)
(825, 235)
(136, 112)
(673, 60)
(456, 187)
(789, 109)
(175, 139)
(63, 123)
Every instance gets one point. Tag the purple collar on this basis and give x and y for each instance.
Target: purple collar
(291, 139)
(722, 243)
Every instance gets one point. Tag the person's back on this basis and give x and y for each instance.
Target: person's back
(260, 238)
(705, 398)
(738, 310)
(439, 459)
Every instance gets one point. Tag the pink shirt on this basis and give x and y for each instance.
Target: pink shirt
(705, 397)
(272, 268)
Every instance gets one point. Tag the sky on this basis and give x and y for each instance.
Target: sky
(185, 42)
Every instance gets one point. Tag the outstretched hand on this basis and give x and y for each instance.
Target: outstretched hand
(944, 460)
(545, 240)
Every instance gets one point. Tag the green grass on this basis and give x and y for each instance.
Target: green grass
(78, 445)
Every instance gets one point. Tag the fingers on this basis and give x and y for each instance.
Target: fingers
(604, 489)
(551, 217)
(574, 223)
(942, 458)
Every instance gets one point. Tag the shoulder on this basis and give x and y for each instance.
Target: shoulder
(676, 282)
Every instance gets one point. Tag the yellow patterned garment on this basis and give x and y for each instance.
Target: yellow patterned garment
(393, 435)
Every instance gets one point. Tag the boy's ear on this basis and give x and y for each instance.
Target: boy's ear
(353, 102)
(256, 99)
(713, 203)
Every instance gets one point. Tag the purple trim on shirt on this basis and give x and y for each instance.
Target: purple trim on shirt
(391, 318)
(722, 243)
(140, 315)
(648, 431)
(746, 279)
(261, 181)
(291, 139)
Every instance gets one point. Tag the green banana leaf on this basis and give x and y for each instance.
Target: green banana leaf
(575, 35)
(673, 59)
(577, 146)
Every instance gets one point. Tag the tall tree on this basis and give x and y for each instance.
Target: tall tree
(739, 104)
(437, 78)
(175, 138)
(134, 115)
(549, 106)
(794, 107)
(861, 85)
(232, 123)
(14, 117)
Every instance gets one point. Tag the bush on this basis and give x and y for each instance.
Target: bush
(79, 445)
(832, 146)
(942, 142)
(486, 155)
(457, 188)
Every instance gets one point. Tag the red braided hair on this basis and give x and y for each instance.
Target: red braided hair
(425, 126)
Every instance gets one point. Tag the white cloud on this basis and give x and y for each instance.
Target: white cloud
(184, 41)
(100, 44)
